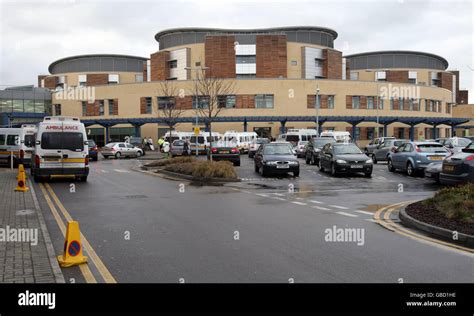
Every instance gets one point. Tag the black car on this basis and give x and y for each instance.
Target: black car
(276, 158)
(226, 151)
(459, 168)
(344, 158)
(93, 151)
(313, 148)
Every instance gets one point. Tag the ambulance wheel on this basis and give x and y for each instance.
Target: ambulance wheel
(83, 179)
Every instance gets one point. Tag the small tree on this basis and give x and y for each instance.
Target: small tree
(207, 92)
(169, 105)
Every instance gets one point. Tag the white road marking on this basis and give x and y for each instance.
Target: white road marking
(279, 194)
(347, 214)
(104, 171)
(121, 170)
(317, 202)
(339, 207)
(321, 208)
(261, 194)
(299, 203)
(371, 220)
(364, 212)
(279, 198)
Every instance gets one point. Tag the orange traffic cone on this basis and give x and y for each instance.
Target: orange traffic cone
(21, 183)
(72, 247)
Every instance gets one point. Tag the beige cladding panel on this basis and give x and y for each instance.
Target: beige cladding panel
(423, 75)
(72, 78)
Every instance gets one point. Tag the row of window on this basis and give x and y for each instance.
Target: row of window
(412, 77)
(110, 104)
(404, 104)
(23, 105)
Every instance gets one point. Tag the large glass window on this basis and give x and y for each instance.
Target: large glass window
(330, 102)
(17, 105)
(264, 101)
(3, 105)
(29, 106)
(370, 103)
(166, 102)
(63, 140)
(226, 101)
(39, 106)
(201, 102)
(245, 59)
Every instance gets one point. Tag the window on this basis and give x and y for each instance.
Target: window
(201, 102)
(355, 102)
(166, 103)
(318, 63)
(330, 102)
(245, 59)
(380, 76)
(111, 107)
(412, 77)
(173, 64)
(401, 102)
(370, 103)
(113, 78)
(84, 108)
(410, 104)
(57, 109)
(380, 101)
(434, 79)
(101, 107)
(18, 105)
(2, 140)
(226, 101)
(354, 75)
(197, 64)
(294, 63)
(391, 103)
(64, 140)
(317, 101)
(82, 79)
(11, 140)
(264, 101)
(148, 106)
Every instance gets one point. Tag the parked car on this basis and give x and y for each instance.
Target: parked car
(413, 157)
(459, 168)
(178, 148)
(344, 158)
(454, 144)
(277, 157)
(383, 150)
(255, 144)
(119, 150)
(313, 149)
(300, 149)
(471, 138)
(226, 150)
(93, 151)
(433, 171)
(369, 149)
(137, 142)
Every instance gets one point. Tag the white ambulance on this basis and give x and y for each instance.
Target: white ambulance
(61, 149)
(17, 144)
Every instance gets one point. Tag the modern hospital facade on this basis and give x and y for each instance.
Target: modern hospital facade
(279, 75)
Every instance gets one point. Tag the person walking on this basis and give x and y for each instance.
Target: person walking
(150, 144)
(186, 149)
(160, 143)
(166, 148)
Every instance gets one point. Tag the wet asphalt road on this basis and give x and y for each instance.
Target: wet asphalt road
(280, 222)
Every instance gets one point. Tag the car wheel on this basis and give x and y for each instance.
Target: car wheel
(410, 170)
(139, 153)
(368, 174)
(296, 173)
(83, 179)
(321, 168)
(390, 166)
(333, 169)
(374, 159)
(117, 155)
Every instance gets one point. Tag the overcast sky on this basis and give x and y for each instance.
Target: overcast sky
(36, 33)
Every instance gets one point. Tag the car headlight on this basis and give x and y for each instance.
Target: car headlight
(369, 161)
(293, 163)
(341, 161)
(270, 163)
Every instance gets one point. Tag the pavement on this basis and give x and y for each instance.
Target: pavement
(30, 259)
(143, 228)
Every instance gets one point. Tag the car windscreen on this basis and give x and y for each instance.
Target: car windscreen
(461, 142)
(277, 150)
(30, 140)
(432, 148)
(321, 142)
(64, 140)
(178, 143)
(346, 150)
(397, 143)
(200, 140)
(292, 138)
(262, 141)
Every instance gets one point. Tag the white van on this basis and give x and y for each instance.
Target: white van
(175, 135)
(295, 136)
(339, 136)
(61, 149)
(243, 140)
(17, 144)
(203, 141)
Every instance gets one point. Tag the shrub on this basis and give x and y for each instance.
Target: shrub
(204, 169)
(454, 202)
(165, 162)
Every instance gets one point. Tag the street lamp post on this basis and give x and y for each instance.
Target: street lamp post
(317, 109)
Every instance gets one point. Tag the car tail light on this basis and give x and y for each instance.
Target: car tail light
(214, 150)
(87, 160)
(470, 158)
(37, 160)
(418, 150)
(22, 153)
(94, 148)
(234, 150)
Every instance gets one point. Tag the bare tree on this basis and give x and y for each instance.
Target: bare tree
(169, 105)
(209, 92)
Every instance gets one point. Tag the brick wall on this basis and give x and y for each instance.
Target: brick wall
(446, 80)
(397, 76)
(92, 109)
(159, 65)
(115, 110)
(220, 56)
(143, 104)
(348, 102)
(40, 77)
(463, 97)
(245, 101)
(145, 72)
(271, 56)
(363, 103)
(51, 82)
(185, 103)
(97, 79)
(332, 68)
(311, 101)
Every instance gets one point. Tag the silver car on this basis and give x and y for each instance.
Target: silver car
(369, 149)
(381, 152)
(119, 150)
(454, 144)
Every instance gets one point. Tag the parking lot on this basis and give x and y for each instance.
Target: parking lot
(145, 228)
